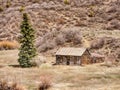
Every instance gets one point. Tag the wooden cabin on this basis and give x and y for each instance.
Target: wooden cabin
(73, 56)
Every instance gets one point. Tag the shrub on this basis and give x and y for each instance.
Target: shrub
(22, 8)
(51, 35)
(66, 2)
(50, 44)
(27, 49)
(113, 24)
(60, 39)
(91, 13)
(42, 48)
(47, 46)
(68, 34)
(77, 39)
(1, 9)
(45, 82)
(96, 44)
(35, 1)
(8, 4)
(38, 60)
(110, 60)
(5, 45)
(72, 35)
(54, 38)
(6, 86)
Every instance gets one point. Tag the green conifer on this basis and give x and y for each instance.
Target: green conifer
(27, 40)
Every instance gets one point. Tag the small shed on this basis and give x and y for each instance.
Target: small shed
(73, 56)
(97, 58)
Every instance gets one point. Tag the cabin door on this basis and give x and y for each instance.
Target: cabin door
(79, 61)
(67, 60)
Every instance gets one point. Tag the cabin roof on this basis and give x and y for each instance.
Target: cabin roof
(71, 51)
(97, 55)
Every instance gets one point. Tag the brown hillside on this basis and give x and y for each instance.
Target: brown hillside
(93, 19)
(47, 15)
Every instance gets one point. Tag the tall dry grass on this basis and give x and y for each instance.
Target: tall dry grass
(6, 45)
(45, 82)
(7, 86)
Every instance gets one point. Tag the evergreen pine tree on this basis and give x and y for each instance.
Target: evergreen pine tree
(27, 49)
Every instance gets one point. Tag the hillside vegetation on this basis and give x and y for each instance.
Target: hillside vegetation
(48, 15)
(89, 23)
(94, 24)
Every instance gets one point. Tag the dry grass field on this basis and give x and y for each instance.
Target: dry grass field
(89, 77)
(94, 24)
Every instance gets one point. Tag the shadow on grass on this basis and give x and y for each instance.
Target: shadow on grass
(18, 66)
(15, 66)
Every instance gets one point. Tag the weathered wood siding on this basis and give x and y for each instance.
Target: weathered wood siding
(68, 60)
(86, 58)
(73, 60)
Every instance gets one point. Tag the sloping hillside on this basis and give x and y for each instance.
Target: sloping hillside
(94, 19)
(47, 15)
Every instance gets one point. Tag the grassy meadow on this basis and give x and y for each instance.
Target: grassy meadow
(89, 77)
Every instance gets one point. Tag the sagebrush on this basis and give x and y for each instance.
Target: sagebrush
(56, 38)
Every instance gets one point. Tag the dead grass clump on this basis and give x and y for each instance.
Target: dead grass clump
(5, 45)
(6, 86)
(45, 82)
